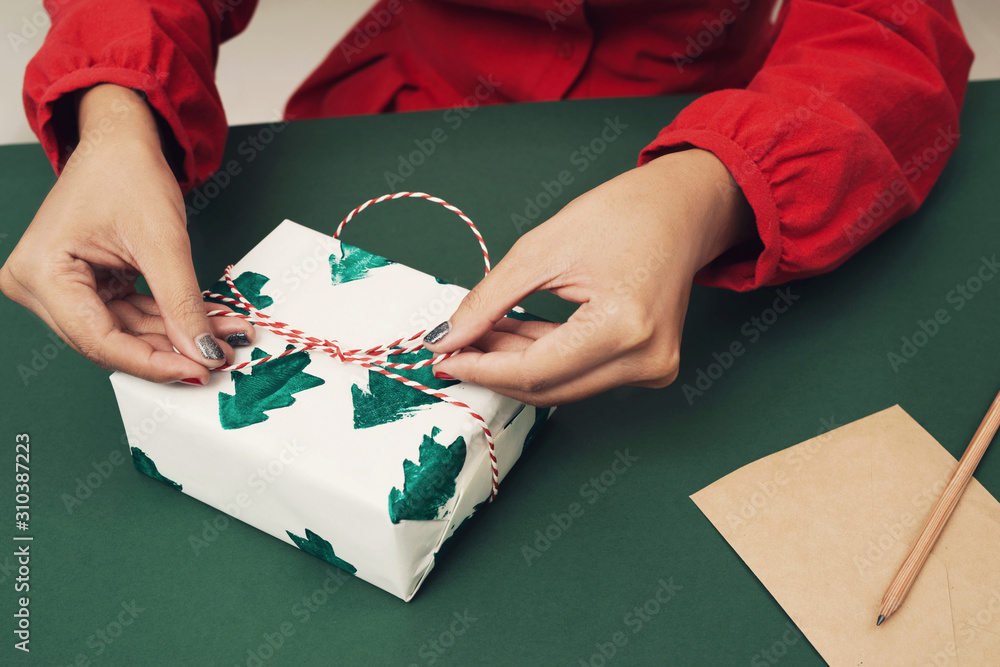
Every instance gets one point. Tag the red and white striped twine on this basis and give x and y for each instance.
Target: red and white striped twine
(374, 358)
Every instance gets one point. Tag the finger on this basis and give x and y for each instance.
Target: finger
(27, 298)
(499, 341)
(114, 283)
(162, 343)
(69, 297)
(18, 293)
(234, 330)
(597, 380)
(144, 302)
(134, 320)
(158, 342)
(590, 338)
(519, 274)
(528, 328)
(170, 274)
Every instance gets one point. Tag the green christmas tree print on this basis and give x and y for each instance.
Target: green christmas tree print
(317, 546)
(268, 386)
(145, 465)
(249, 284)
(427, 486)
(353, 264)
(388, 400)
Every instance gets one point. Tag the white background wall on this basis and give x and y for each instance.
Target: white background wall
(257, 72)
(261, 68)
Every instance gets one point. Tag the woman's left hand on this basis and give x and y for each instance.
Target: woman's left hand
(627, 252)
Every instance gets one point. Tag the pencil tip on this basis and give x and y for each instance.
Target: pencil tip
(881, 617)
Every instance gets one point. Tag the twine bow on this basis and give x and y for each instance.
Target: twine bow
(375, 358)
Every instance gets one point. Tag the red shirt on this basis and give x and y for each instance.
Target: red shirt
(836, 120)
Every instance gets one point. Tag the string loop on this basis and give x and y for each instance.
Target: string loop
(376, 358)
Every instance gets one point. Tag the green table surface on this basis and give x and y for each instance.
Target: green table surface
(124, 552)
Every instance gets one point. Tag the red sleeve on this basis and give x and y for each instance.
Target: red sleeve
(165, 48)
(841, 133)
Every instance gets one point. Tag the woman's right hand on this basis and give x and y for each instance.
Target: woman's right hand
(114, 213)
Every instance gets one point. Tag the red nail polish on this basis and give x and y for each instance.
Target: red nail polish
(194, 381)
(443, 376)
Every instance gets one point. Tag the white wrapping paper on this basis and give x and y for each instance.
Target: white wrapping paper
(310, 449)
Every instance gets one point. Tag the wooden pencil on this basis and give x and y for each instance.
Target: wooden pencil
(915, 560)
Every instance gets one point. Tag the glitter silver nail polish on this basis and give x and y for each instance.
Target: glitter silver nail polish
(437, 333)
(238, 339)
(209, 348)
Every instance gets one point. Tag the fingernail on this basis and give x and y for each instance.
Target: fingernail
(209, 348)
(437, 333)
(238, 339)
(194, 381)
(443, 376)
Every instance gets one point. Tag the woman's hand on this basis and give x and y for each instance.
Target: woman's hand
(627, 251)
(117, 212)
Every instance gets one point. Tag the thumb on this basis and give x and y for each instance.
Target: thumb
(514, 278)
(169, 272)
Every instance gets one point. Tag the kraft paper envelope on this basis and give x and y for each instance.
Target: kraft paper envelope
(825, 525)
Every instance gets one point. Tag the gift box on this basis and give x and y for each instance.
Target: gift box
(337, 459)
